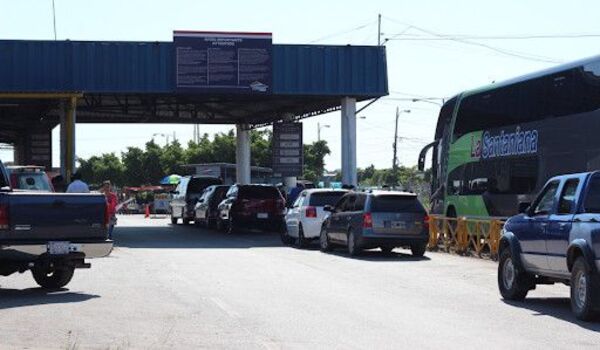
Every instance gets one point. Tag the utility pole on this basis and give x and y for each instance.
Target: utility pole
(395, 161)
(379, 30)
(54, 18)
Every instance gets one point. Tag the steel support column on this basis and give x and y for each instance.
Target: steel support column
(68, 120)
(242, 154)
(349, 176)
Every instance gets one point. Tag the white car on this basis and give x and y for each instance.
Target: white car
(304, 218)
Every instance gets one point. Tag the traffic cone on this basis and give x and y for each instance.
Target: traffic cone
(147, 214)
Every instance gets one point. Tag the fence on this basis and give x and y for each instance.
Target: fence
(465, 236)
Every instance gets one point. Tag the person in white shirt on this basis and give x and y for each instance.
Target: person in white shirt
(76, 185)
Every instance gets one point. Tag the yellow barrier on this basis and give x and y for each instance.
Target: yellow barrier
(465, 236)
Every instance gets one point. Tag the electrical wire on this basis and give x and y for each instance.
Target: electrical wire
(506, 52)
(333, 35)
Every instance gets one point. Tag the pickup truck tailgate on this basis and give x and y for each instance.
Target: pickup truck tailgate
(44, 216)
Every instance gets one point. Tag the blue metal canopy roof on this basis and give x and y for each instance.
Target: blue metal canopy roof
(134, 82)
(148, 67)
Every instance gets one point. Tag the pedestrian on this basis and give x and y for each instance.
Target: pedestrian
(58, 182)
(77, 185)
(111, 201)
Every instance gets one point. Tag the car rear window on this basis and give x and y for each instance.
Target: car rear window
(33, 182)
(198, 185)
(396, 204)
(259, 192)
(321, 199)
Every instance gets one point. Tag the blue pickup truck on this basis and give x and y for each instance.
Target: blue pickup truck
(50, 234)
(556, 239)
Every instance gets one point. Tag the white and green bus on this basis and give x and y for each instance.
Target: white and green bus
(496, 146)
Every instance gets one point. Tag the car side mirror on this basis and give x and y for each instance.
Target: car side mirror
(524, 207)
(329, 208)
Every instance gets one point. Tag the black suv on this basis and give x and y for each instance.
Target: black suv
(186, 194)
(378, 219)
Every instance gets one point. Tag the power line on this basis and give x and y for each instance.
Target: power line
(333, 35)
(506, 52)
(442, 37)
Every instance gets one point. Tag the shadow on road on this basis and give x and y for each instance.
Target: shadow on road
(378, 256)
(555, 307)
(13, 298)
(173, 237)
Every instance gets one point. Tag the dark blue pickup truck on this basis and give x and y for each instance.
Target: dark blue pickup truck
(50, 234)
(556, 239)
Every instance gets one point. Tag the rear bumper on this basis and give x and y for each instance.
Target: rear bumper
(23, 251)
(374, 241)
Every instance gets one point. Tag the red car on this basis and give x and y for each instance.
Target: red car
(252, 207)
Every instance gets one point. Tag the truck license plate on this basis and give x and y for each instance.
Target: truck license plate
(262, 215)
(58, 248)
(399, 224)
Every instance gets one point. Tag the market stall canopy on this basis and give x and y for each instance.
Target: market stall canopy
(172, 179)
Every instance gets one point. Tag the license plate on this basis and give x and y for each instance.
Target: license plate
(399, 224)
(262, 215)
(58, 248)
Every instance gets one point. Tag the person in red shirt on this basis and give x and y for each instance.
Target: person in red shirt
(112, 202)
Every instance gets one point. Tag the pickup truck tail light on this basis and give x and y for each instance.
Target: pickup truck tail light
(4, 217)
(311, 212)
(367, 220)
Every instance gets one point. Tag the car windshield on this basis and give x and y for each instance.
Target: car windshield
(321, 199)
(197, 185)
(259, 192)
(33, 182)
(396, 204)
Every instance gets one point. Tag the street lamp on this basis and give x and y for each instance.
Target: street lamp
(428, 100)
(319, 127)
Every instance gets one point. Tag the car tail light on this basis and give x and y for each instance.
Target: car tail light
(367, 220)
(311, 212)
(426, 222)
(4, 222)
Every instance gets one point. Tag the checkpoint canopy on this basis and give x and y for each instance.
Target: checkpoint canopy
(198, 78)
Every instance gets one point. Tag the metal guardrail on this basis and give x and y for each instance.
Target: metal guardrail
(465, 236)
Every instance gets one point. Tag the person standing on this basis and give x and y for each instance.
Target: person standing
(112, 201)
(77, 185)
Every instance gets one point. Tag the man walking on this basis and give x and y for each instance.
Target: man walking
(76, 185)
(112, 201)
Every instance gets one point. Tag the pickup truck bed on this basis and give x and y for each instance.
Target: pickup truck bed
(50, 234)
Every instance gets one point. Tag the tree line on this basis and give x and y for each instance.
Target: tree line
(137, 166)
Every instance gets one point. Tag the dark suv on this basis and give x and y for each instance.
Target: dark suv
(206, 212)
(186, 194)
(378, 219)
(252, 206)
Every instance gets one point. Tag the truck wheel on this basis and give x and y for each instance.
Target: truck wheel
(50, 278)
(324, 243)
(513, 283)
(584, 285)
(173, 220)
(418, 249)
(301, 242)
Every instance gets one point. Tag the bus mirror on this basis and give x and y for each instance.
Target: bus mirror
(524, 207)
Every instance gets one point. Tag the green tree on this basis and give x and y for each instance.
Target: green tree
(100, 168)
(151, 163)
(172, 158)
(260, 145)
(314, 159)
(133, 163)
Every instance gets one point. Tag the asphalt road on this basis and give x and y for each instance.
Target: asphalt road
(182, 287)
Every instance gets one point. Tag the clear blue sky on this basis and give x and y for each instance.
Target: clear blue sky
(427, 68)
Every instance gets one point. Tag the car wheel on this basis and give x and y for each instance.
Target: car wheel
(173, 220)
(387, 250)
(584, 285)
(301, 242)
(418, 249)
(513, 283)
(230, 226)
(51, 278)
(285, 238)
(353, 247)
(324, 243)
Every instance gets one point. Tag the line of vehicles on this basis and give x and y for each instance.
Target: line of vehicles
(355, 220)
